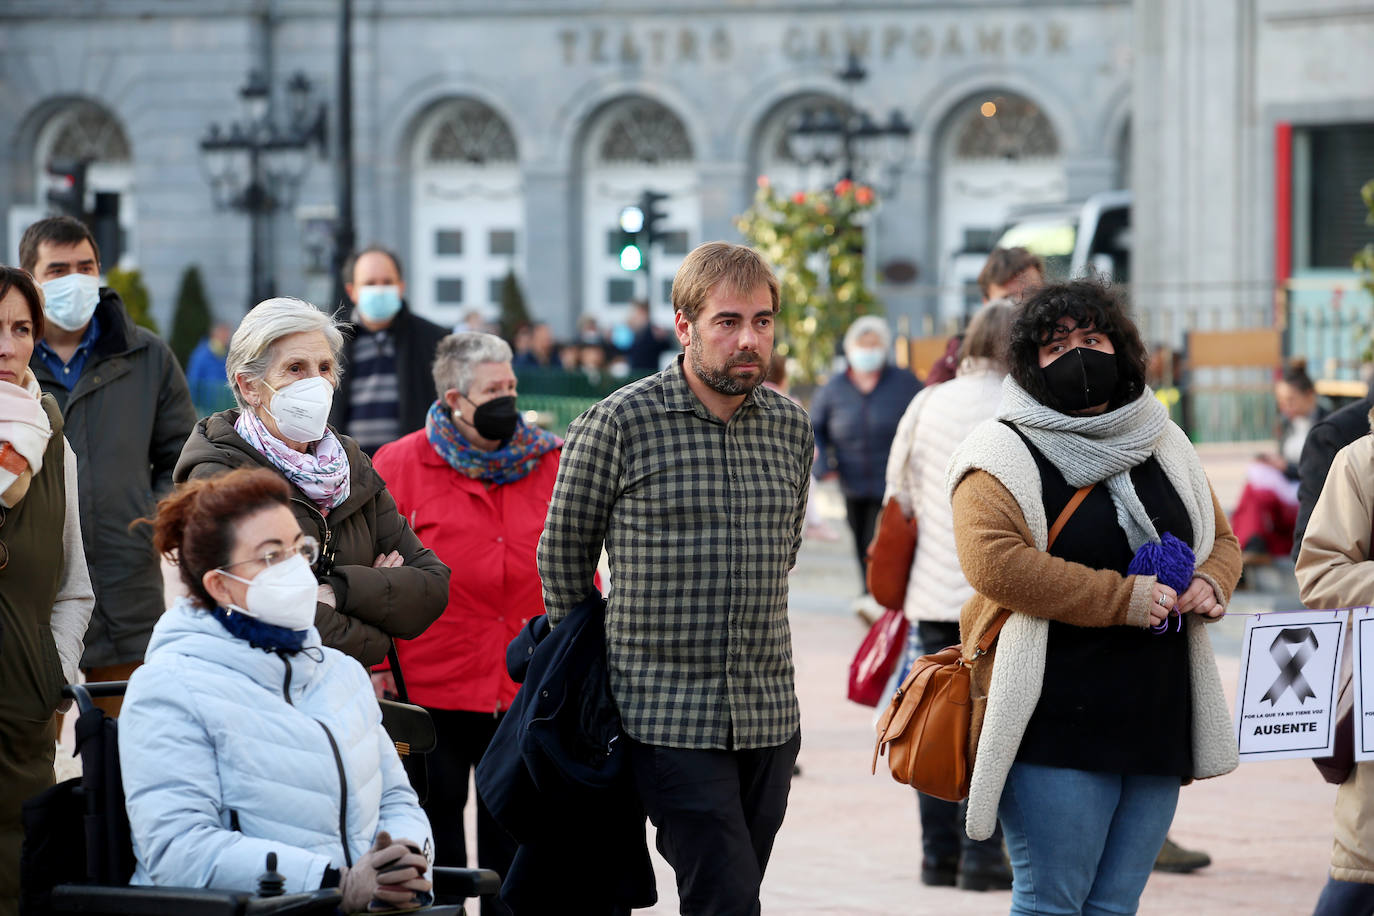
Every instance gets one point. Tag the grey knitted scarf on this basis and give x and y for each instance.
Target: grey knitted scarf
(1096, 449)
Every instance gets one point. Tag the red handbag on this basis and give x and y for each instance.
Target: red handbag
(872, 664)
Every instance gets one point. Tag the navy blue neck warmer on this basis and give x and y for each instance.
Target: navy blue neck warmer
(260, 635)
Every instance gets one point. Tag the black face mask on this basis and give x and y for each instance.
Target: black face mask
(495, 419)
(1081, 378)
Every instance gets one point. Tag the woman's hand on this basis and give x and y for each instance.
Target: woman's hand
(388, 561)
(325, 595)
(1201, 598)
(1163, 599)
(389, 872)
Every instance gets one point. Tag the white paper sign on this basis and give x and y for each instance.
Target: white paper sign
(1289, 664)
(1363, 679)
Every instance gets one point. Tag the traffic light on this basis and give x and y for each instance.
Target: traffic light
(631, 252)
(652, 217)
(67, 195)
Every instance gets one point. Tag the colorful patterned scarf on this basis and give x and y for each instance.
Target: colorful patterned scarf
(507, 464)
(321, 473)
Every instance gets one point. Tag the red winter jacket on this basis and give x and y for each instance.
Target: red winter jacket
(487, 537)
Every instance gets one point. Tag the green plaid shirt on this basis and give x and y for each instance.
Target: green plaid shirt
(701, 521)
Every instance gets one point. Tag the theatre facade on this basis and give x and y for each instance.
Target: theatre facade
(492, 136)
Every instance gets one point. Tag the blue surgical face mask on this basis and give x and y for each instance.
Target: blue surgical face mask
(70, 301)
(379, 303)
(622, 336)
(866, 359)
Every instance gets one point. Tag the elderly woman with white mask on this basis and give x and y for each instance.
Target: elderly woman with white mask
(377, 581)
(855, 417)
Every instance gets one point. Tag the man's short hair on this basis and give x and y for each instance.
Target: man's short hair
(352, 262)
(714, 263)
(56, 230)
(1004, 264)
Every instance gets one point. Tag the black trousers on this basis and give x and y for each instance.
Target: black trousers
(462, 739)
(862, 514)
(717, 813)
(943, 839)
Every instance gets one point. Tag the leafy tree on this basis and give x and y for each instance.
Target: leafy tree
(191, 318)
(129, 285)
(513, 310)
(815, 242)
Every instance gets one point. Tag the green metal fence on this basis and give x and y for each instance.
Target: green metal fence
(556, 398)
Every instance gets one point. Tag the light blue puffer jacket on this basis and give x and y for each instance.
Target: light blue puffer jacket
(231, 752)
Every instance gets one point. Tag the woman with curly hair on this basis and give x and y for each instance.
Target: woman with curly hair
(1101, 695)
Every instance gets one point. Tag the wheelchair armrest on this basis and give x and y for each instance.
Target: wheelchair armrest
(451, 883)
(323, 902)
(82, 693)
(98, 900)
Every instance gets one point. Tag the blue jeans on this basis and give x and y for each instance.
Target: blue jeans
(1082, 842)
(1345, 898)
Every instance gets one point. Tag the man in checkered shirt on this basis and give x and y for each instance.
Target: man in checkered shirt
(696, 479)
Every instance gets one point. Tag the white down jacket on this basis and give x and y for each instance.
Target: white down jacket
(230, 752)
(938, 419)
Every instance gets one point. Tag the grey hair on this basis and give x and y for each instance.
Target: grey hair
(867, 324)
(250, 349)
(459, 354)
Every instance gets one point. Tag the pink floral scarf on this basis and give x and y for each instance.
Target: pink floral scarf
(321, 473)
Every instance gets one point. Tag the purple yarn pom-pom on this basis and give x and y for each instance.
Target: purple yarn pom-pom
(1170, 561)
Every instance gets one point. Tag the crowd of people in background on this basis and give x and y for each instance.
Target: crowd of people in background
(374, 518)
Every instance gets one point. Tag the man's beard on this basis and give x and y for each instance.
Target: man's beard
(719, 379)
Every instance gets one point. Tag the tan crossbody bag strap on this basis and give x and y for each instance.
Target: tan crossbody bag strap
(1075, 501)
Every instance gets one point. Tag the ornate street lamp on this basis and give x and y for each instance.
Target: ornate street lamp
(851, 139)
(255, 165)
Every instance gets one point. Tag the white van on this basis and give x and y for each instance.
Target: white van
(1073, 237)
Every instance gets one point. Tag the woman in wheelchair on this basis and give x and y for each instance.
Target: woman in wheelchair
(242, 735)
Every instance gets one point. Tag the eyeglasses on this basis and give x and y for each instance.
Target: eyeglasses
(308, 548)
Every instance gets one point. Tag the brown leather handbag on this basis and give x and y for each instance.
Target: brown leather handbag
(925, 729)
(890, 555)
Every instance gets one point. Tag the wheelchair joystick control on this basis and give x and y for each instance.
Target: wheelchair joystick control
(270, 882)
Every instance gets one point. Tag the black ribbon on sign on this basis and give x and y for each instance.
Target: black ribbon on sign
(1290, 661)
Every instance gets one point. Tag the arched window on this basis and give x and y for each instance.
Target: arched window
(999, 159)
(85, 131)
(465, 131)
(467, 211)
(642, 131)
(1005, 125)
(633, 144)
(778, 145)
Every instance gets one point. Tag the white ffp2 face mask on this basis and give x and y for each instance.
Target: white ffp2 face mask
(70, 300)
(282, 595)
(301, 409)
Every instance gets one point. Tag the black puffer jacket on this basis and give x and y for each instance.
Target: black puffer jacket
(126, 418)
(371, 605)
